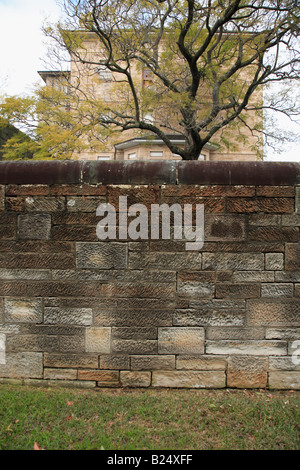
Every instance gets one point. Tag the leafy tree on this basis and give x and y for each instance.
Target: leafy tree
(206, 63)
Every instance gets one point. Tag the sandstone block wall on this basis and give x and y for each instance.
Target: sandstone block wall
(80, 311)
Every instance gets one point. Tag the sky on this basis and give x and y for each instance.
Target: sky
(23, 49)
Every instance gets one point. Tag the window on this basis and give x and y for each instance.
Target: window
(104, 73)
(103, 158)
(131, 156)
(156, 154)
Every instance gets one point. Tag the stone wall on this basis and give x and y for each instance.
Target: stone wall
(77, 310)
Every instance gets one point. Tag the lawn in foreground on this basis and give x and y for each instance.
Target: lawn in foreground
(68, 419)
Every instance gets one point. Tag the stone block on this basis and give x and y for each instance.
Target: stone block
(165, 261)
(103, 376)
(139, 290)
(153, 362)
(72, 361)
(247, 372)
(23, 310)
(277, 290)
(292, 257)
(235, 261)
(283, 333)
(284, 363)
(272, 205)
(127, 346)
(189, 379)
(242, 291)
(274, 261)
(98, 340)
(84, 203)
(136, 317)
(60, 374)
(284, 380)
(72, 344)
(272, 234)
(135, 333)
(44, 204)
(133, 379)
(235, 333)
(68, 316)
(249, 347)
(114, 361)
(181, 340)
(209, 316)
(101, 255)
(32, 342)
(252, 276)
(269, 312)
(190, 362)
(22, 365)
(196, 289)
(34, 226)
(225, 228)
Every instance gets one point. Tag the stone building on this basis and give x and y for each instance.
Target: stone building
(134, 144)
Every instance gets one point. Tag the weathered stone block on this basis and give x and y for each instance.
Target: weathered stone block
(136, 317)
(127, 346)
(292, 257)
(104, 376)
(196, 289)
(114, 361)
(135, 333)
(68, 316)
(189, 379)
(23, 310)
(274, 261)
(165, 261)
(72, 344)
(180, 340)
(269, 312)
(34, 227)
(44, 204)
(242, 291)
(283, 333)
(23, 364)
(153, 362)
(98, 340)
(284, 380)
(235, 261)
(270, 234)
(250, 347)
(209, 316)
(101, 255)
(60, 374)
(273, 205)
(72, 361)
(247, 372)
(283, 363)
(235, 333)
(201, 362)
(225, 227)
(32, 342)
(84, 203)
(135, 378)
(277, 290)
(252, 276)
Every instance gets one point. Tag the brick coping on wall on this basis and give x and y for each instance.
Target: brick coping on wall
(142, 172)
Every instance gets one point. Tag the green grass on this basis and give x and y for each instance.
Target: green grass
(66, 419)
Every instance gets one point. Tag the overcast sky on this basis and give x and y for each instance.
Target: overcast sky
(23, 48)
